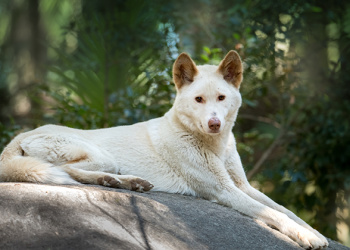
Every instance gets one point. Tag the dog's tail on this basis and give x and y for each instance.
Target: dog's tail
(15, 167)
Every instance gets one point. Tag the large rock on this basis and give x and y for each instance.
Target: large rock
(36, 216)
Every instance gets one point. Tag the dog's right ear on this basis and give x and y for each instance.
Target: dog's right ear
(184, 70)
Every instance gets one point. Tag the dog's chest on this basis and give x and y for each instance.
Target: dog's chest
(189, 151)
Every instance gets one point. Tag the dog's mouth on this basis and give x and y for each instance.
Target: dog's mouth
(214, 131)
(209, 131)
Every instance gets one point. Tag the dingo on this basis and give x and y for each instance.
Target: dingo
(190, 150)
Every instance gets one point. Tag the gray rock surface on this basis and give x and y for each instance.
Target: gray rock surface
(34, 216)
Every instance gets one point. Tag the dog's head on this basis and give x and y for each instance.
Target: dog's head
(208, 96)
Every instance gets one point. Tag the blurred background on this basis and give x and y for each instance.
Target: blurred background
(92, 64)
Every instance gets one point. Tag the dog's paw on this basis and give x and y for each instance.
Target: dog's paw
(108, 181)
(321, 237)
(140, 185)
(134, 183)
(309, 240)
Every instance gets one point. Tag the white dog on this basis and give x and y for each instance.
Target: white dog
(190, 150)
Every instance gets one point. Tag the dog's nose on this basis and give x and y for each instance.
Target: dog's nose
(214, 124)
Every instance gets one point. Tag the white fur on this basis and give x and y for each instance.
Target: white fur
(177, 153)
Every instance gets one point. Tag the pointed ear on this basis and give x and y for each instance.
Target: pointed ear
(231, 68)
(184, 70)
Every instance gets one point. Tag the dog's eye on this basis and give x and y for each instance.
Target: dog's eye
(199, 99)
(221, 97)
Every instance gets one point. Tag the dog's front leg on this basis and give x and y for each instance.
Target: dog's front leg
(235, 169)
(234, 197)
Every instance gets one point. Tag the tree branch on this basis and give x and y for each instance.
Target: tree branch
(261, 119)
(271, 148)
(264, 156)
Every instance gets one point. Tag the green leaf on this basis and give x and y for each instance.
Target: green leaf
(206, 49)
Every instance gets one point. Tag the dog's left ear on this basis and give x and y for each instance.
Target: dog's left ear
(231, 68)
(184, 70)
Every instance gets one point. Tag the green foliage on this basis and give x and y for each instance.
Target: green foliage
(126, 107)
(4, 95)
(114, 79)
(6, 134)
(320, 151)
(211, 55)
(75, 115)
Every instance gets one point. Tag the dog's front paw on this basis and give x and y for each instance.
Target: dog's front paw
(308, 239)
(321, 237)
(140, 185)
